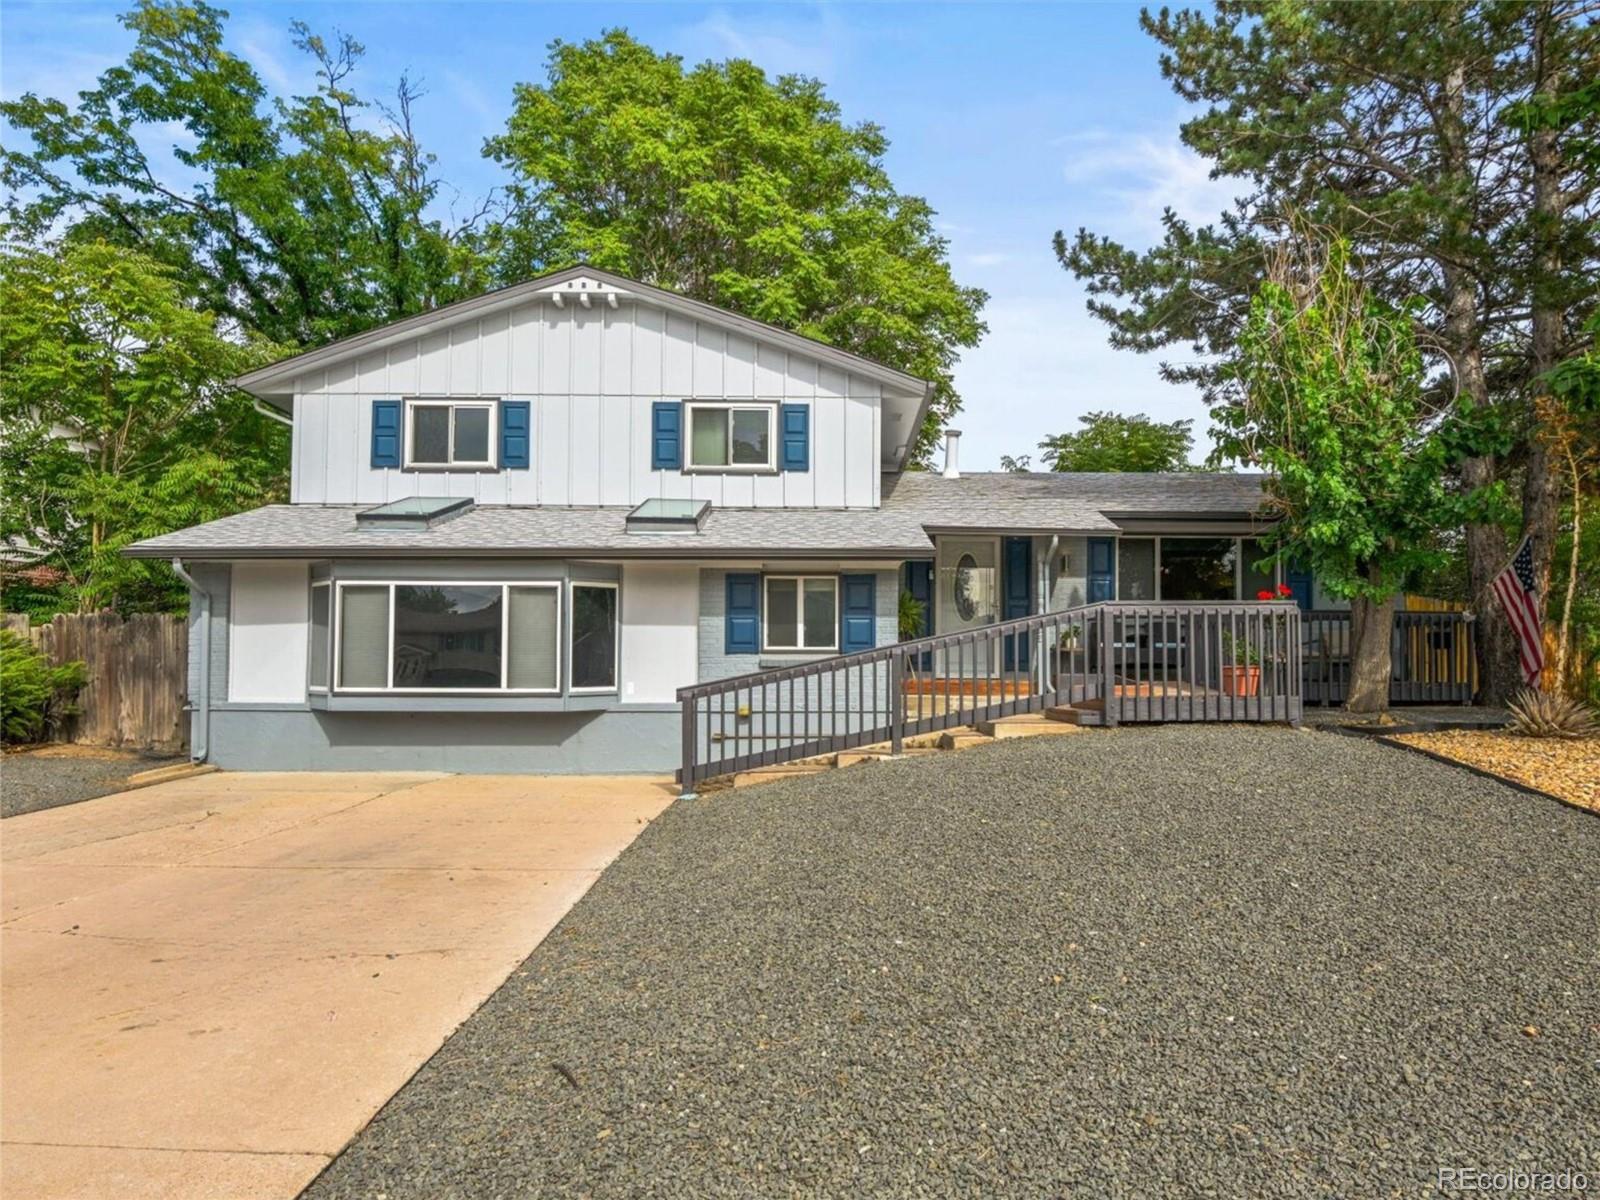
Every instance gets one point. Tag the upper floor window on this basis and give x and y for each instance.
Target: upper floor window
(732, 437)
(450, 433)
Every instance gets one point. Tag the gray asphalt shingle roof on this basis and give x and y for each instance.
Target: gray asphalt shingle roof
(1066, 502)
(299, 530)
(913, 504)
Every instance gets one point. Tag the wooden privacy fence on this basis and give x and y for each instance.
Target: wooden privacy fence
(137, 676)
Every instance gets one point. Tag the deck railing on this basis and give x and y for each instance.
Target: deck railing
(1115, 662)
(1433, 658)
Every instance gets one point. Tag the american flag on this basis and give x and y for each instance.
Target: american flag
(1515, 588)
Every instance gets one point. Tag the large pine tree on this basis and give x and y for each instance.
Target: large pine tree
(1439, 141)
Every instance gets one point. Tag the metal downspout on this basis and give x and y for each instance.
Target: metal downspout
(201, 736)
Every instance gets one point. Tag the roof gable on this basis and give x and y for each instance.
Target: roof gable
(582, 285)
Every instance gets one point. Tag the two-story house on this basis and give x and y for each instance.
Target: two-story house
(518, 524)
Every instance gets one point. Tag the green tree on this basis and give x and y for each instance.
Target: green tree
(307, 219)
(1328, 397)
(117, 420)
(739, 190)
(1448, 143)
(1112, 441)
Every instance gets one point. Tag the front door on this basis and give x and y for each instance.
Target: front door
(969, 596)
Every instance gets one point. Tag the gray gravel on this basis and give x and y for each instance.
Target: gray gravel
(1145, 962)
(34, 780)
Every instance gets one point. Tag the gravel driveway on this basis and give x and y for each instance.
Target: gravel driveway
(1144, 962)
(37, 779)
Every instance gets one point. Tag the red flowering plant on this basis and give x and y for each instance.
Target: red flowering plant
(1283, 592)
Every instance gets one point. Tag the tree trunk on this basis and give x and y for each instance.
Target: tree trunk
(1498, 673)
(1371, 654)
(1541, 489)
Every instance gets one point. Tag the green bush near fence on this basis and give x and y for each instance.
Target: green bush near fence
(34, 696)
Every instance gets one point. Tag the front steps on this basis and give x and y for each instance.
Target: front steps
(1062, 719)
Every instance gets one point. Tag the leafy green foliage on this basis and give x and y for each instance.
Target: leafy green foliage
(307, 219)
(1329, 399)
(738, 190)
(1112, 441)
(118, 421)
(34, 696)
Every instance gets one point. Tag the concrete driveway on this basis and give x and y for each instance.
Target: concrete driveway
(210, 986)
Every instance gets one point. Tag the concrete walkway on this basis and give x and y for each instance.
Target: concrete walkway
(210, 986)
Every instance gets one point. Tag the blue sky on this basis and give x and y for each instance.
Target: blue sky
(1012, 120)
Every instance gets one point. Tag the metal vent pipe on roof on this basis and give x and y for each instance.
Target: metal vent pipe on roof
(952, 447)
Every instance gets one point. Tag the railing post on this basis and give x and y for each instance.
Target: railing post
(691, 743)
(1110, 705)
(897, 703)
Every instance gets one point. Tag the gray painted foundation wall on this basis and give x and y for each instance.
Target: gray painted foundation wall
(609, 742)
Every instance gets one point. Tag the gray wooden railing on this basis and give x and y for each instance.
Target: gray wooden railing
(1433, 657)
(1114, 662)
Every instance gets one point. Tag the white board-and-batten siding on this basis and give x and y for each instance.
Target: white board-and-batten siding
(591, 376)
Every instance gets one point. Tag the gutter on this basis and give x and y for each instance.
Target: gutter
(266, 410)
(200, 736)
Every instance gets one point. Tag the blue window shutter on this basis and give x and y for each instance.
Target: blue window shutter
(795, 430)
(516, 435)
(386, 433)
(666, 436)
(1102, 570)
(858, 613)
(743, 615)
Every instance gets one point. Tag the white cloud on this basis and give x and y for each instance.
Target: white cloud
(815, 43)
(1126, 180)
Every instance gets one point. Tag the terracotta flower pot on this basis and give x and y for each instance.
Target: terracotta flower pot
(1243, 680)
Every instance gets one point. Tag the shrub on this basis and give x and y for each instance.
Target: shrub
(911, 614)
(1550, 714)
(34, 696)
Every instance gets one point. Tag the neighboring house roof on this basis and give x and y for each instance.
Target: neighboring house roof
(1067, 502)
(307, 530)
(272, 381)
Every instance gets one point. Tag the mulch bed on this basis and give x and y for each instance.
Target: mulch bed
(1566, 768)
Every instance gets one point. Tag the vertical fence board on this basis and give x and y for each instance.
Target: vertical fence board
(137, 676)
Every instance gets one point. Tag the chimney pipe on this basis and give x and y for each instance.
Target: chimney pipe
(952, 447)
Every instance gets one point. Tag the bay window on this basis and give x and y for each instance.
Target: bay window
(594, 637)
(450, 433)
(732, 437)
(448, 637)
(321, 635)
(802, 612)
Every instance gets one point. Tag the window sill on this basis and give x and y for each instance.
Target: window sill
(731, 471)
(791, 658)
(418, 702)
(448, 469)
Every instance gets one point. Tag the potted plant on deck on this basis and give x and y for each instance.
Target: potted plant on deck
(1241, 666)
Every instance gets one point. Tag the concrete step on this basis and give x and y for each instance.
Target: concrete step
(783, 771)
(1066, 713)
(963, 739)
(1026, 725)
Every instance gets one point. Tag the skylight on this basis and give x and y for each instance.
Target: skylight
(657, 515)
(414, 512)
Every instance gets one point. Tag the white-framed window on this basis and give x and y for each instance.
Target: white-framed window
(321, 641)
(450, 433)
(428, 636)
(800, 612)
(732, 437)
(593, 646)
